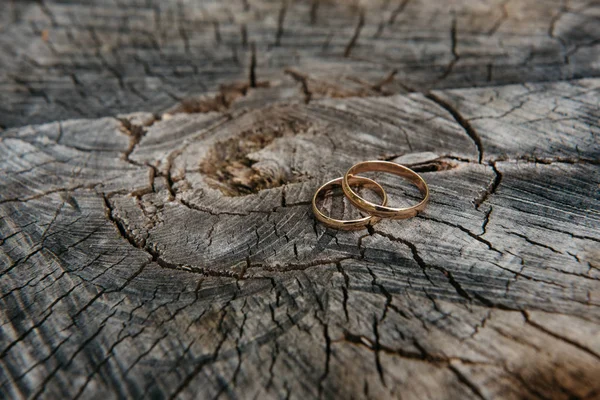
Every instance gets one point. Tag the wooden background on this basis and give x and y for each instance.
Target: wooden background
(157, 162)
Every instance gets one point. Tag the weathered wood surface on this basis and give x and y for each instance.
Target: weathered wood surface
(66, 59)
(175, 255)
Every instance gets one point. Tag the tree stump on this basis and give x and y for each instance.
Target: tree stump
(158, 161)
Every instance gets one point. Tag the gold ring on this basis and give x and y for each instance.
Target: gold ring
(353, 223)
(383, 210)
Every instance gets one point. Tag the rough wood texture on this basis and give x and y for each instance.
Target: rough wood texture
(175, 255)
(64, 59)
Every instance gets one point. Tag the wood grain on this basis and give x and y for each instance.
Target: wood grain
(68, 59)
(171, 252)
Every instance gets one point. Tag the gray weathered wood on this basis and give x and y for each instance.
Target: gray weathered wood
(66, 59)
(127, 270)
(174, 254)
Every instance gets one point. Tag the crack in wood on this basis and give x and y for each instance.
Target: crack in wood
(466, 381)
(455, 55)
(314, 8)
(320, 285)
(471, 132)
(424, 266)
(356, 34)
(280, 22)
(559, 337)
(303, 79)
(397, 11)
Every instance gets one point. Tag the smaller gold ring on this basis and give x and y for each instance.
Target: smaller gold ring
(352, 223)
(383, 210)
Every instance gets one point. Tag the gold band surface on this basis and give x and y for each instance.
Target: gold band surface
(353, 223)
(383, 210)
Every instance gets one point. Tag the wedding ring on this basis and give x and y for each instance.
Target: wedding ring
(353, 223)
(383, 210)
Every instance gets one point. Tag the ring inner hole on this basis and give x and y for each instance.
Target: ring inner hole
(333, 203)
(401, 192)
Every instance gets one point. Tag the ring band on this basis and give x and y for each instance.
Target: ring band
(383, 210)
(352, 223)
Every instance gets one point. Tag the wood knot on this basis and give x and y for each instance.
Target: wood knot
(242, 165)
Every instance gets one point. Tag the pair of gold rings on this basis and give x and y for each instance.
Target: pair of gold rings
(376, 211)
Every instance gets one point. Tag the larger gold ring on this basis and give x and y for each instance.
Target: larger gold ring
(352, 223)
(383, 210)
